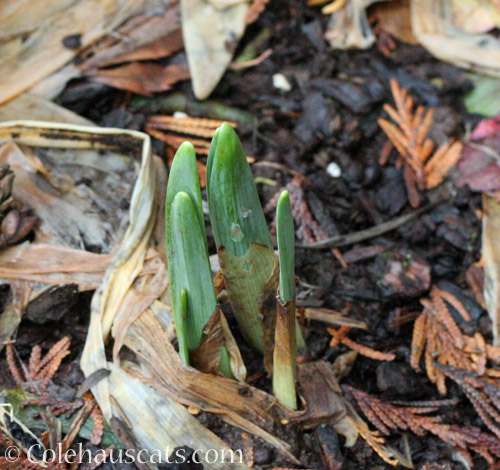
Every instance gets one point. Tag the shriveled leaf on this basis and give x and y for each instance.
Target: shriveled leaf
(218, 350)
(240, 404)
(231, 350)
(394, 18)
(143, 37)
(434, 28)
(321, 392)
(210, 50)
(159, 422)
(144, 78)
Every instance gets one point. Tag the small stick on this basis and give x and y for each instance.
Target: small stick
(375, 231)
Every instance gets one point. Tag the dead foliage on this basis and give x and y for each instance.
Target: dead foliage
(248, 449)
(437, 337)
(339, 336)
(96, 415)
(144, 78)
(16, 220)
(256, 9)
(40, 370)
(127, 58)
(36, 376)
(24, 463)
(173, 130)
(483, 393)
(424, 166)
(475, 280)
(330, 8)
(387, 418)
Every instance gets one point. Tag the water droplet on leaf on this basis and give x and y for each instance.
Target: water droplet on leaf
(236, 233)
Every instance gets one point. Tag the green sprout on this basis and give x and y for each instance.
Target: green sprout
(240, 231)
(285, 351)
(191, 284)
(252, 272)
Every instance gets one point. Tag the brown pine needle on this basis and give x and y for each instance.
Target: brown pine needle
(423, 168)
(340, 336)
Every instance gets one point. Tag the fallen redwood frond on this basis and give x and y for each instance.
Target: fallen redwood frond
(438, 339)
(424, 167)
(388, 418)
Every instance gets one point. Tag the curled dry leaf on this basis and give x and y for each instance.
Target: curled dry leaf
(319, 387)
(434, 24)
(143, 37)
(144, 78)
(216, 335)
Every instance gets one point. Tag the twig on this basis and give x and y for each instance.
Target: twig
(356, 237)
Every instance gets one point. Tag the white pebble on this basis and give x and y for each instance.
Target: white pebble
(333, 170)
(281, 82)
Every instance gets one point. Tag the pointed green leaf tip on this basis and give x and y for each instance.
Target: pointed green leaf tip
(187, 253)
(184, 177)
(285, 233)
(235, 210)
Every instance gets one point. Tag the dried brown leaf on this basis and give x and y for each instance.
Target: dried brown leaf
(144, 78)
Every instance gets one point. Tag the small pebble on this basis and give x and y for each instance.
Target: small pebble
(281, 82)
(334, 170)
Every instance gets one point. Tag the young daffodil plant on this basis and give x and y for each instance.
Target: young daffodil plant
(251, 271)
